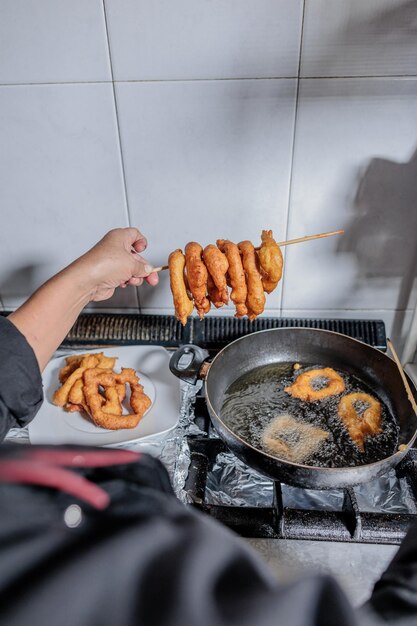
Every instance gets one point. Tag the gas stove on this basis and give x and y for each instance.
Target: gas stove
(351, 533)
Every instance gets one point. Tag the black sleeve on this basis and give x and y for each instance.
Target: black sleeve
(395, 595)
(21, 391)
(146, 560)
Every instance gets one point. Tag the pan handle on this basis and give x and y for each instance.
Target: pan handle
(191, 372)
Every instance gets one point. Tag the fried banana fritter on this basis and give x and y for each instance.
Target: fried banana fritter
(255, 300)
(217, 266)
(235, 276)
(182, 302)
(270, 261)
(197, 277)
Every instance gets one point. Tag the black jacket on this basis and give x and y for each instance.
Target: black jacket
(145, 558)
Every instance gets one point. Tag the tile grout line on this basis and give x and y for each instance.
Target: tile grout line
(398, 77)
(292, 154)
(119, 137)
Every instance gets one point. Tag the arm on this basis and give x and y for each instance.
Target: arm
(51, 311)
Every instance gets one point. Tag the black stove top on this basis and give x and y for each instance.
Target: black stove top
(346, 517)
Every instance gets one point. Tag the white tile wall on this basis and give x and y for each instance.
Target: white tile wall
(206, 160)
(357, 38)
(354, 168)
(199, 129)
(60, 180)
(161, 39)
(53, 41)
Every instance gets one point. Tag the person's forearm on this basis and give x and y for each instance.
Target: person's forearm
(51, 311)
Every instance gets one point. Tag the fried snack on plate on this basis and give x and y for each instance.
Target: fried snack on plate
(60, 396)
(71, 366)
(270, 261)
(235, 276)
(76, 400)
(76, 397)
(316, 384)
(70, 393)
(197, 277)
(74, 361)
(255, 300)
(361, 414)
(107, 412)
(95, 388)
(182, 302)
(217, 266)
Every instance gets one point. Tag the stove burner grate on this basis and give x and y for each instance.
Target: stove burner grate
(212, 333)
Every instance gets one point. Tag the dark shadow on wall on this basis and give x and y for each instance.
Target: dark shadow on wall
(383, 230)
(391, 26)
(20, 283)
(388, 30)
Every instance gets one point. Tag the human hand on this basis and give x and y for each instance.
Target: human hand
(111, 263)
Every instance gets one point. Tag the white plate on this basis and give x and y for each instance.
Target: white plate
(55, 426)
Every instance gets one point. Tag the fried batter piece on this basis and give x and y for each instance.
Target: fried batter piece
(217, 266)
(60, 397)
(361, 414)
(328, 383)
(235, 276)
(74, 361)
(68, 369)
(287, 438)
(255, 300)
(270, 261)
(107, 413)
(214, 294)
(76, 399)
(182, 302)
(70, 394)
(197, 277)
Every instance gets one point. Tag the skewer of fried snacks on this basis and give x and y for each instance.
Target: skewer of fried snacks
(280, 243)
(403, 376)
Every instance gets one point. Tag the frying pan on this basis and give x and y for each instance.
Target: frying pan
(304, 345)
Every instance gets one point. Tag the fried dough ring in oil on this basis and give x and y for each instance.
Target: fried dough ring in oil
(182, 302)
(106, 414)
(359, 426)
(287, 438)
(197, 277)
(255, 300)
(302, 387)
(235, 276)
(270, 261)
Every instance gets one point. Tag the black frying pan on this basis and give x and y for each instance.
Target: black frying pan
(304, 345)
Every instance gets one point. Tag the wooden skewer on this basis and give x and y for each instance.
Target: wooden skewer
(280, 243)
(403, 376)
(310, 237)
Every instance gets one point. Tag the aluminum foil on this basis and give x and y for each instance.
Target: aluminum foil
(233, 483)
